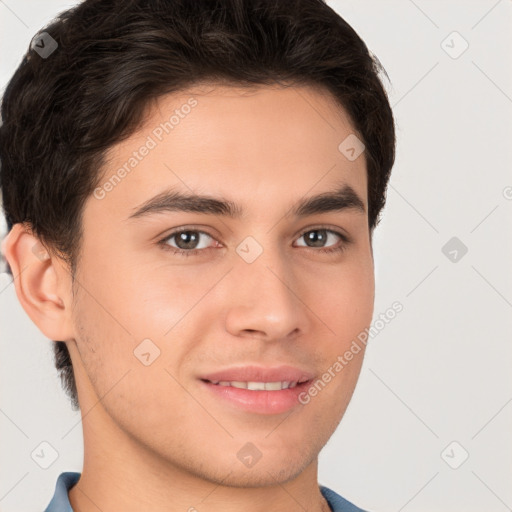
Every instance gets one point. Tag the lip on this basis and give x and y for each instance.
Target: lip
(260, 374)
(259, 402)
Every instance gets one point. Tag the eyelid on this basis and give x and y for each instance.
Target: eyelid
(188, 227)
(337, 231)
(185, 229)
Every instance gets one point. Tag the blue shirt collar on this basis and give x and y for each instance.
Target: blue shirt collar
(60, 500)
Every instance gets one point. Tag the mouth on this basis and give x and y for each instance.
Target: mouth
(256, 385)
(264, 398)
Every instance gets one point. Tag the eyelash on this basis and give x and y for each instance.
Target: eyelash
(191, 252)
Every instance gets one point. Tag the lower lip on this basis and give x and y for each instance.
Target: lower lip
(261, 402)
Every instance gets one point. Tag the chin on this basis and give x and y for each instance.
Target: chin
(259, 477)
(269, 470)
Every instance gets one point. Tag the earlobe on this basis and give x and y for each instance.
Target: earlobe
(41, 283)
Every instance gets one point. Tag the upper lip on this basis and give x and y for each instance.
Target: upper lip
(260, 374)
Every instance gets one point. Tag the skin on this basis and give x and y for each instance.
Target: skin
(153, 438)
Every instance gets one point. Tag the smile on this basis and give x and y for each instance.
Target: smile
(257, 386)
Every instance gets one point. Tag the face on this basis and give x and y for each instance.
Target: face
(257, 281)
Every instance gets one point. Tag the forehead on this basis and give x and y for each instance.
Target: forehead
(253, 142)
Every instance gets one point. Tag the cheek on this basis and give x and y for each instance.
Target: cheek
(142, 301)
(128, 314)
(343, 298)
(113, 356)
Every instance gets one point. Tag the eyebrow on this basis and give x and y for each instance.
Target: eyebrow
(344, 198)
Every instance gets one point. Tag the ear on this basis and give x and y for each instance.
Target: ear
(42, 282)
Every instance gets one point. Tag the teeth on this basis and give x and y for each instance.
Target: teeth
(238, 384)
(273, 386)
(257, 386)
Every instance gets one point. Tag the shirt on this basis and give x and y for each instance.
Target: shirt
(60, 500)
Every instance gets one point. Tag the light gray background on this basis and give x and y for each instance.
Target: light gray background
(440, 371)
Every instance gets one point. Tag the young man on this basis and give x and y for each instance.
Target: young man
(191, 189)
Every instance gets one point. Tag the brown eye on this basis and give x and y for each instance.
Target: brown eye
(319, 237)
(188, 240)
(316, 238)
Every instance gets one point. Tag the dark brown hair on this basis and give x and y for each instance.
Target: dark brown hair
(61, 113)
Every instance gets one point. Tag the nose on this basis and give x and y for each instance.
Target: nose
(264, 299)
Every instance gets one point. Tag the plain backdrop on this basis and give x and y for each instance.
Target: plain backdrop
(429, 427)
